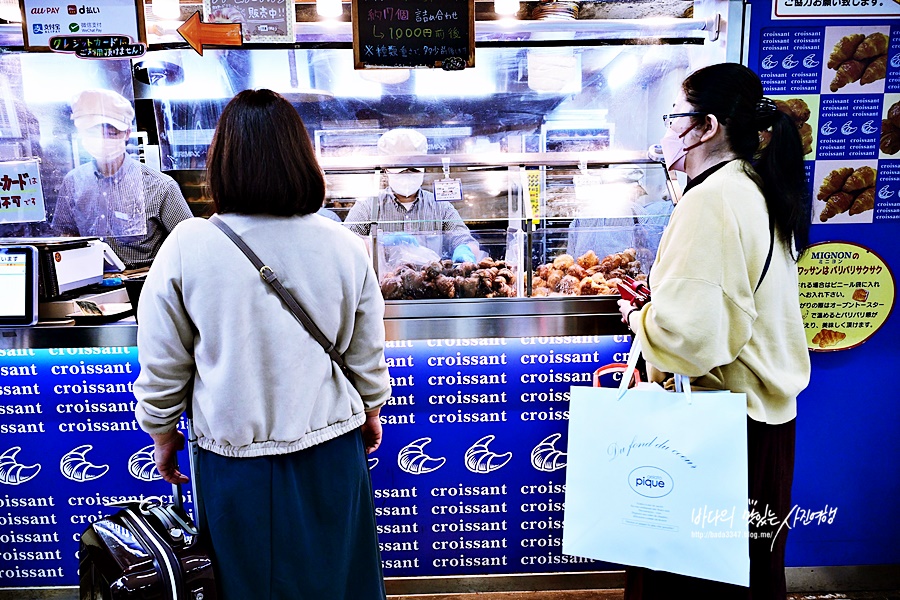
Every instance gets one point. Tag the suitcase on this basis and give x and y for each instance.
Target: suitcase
(146, 550)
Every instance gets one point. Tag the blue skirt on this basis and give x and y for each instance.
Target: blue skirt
(297, 526)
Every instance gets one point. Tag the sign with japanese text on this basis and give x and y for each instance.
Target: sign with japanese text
(262, 21)
(834, 9)
(846, 294)
(21, 196)
(99, 27)
(413, 33)
(97, 46)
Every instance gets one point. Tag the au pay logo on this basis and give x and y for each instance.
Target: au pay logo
(650, 482)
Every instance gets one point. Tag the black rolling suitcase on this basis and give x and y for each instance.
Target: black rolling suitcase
(146, 550)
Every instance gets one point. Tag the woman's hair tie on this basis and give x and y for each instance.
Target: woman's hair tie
(766, 112)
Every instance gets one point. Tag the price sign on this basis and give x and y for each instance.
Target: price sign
(414, 33)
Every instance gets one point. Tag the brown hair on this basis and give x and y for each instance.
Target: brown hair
(261, 160)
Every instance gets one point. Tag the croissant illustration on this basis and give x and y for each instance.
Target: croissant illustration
(479, 459)
(142, 465)
(836, 204)
(865, 201)
(848, 72)
(373, 462)
(844, 49)
(14, 473)
(860, 179)
(833, 182)
(798, 110)
(828, 337)
(893, 114)
(414, 461)
(890, 138)
(806, 137)
(545, 457)
(75, 466)
(874, 45)
(876, 70)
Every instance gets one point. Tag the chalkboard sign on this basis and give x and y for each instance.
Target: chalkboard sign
(261, 20)
(413, 33)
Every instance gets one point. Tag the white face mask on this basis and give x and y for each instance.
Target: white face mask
(104, 149)
(406, 184)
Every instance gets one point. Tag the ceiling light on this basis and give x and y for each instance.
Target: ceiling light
(329, 8)
(506, 7)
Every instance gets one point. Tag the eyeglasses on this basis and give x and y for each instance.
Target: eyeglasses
(670, 118)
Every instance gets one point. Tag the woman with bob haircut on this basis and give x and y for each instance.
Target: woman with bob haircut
(725, 306)
(285, 495)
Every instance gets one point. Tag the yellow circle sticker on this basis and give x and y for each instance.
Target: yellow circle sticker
(846, 295)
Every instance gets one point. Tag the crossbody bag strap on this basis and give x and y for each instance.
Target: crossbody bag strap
(270, 277)
(769, 256)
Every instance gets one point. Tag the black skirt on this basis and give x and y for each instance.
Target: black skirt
(293, 526)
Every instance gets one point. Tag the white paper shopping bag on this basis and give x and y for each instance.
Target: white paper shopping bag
(659, 480)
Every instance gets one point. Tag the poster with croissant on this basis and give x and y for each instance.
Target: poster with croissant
(844, 191)
(856, 60)
(889, 143)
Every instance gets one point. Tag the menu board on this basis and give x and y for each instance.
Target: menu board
(413, 33)
(469, 479)
(847, 293)
(262, 21)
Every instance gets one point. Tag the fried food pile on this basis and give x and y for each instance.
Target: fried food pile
(890, 130)
(798, 111)
(587, 275)
(486, 279)
(858, 57)
(846, 189)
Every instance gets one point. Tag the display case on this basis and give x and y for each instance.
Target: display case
(600, 215)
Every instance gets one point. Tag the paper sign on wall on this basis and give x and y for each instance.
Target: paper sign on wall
(21, 196)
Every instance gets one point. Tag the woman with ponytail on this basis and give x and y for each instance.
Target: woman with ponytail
(725, 306)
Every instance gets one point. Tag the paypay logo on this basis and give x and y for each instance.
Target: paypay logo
(650, 482)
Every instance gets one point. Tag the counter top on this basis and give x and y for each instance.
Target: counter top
(422, 319)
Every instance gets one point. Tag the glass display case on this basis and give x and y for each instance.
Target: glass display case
(599, 216)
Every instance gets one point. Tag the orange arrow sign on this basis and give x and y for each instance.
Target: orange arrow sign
(197, 33)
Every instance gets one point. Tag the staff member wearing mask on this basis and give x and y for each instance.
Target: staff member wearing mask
(130, 205)
(405, 207)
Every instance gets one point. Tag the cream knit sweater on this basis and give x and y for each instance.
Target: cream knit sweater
(705, 320)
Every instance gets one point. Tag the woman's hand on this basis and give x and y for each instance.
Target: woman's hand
(625, 308)
(371, 432)
(165, 453)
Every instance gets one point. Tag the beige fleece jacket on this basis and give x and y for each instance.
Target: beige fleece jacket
(705, 320)
(261, 384)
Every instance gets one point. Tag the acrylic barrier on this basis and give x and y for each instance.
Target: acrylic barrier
(470, 478)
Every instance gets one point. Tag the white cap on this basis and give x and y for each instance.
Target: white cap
(401, 142)
(94, 107)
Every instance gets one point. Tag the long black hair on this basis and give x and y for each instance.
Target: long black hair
(734, 94)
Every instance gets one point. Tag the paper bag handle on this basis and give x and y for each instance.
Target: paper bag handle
(682, 383)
